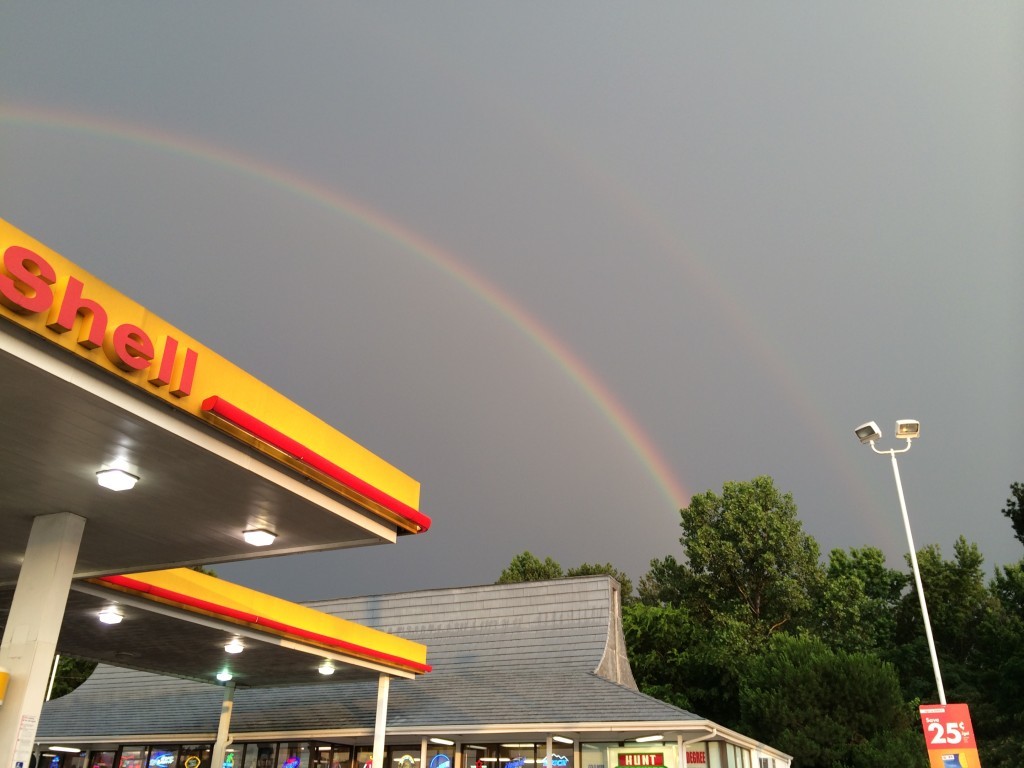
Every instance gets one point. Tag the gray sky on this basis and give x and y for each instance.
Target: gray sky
(564, 263)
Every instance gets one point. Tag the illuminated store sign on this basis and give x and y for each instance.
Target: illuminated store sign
(641, 760)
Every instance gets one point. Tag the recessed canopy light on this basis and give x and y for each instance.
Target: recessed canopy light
(116, 479)
(445, 742)
(224, 676)
(235, 646)
(561, 739)
(110, 615)
(642, 739)
(75, 750)
(259, 537)
(326, 668)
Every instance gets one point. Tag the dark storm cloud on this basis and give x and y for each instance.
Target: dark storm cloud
(755, 227)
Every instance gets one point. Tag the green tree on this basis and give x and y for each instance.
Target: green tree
(664, 583)
(748, 556)
(527, 567)
(71, 673)
(658, 638)
(606, 569)
(959, 602)
(828, 708)
(856, 608)
(1014, 510)
(998, 710)
(690, 663)
(749, 570)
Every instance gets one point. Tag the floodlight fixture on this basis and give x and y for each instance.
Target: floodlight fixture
(224, 676)
(235, 646)
(908, 429)
(326, 668)
(868, 433)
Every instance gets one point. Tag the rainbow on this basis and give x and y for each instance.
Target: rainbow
(616, 414)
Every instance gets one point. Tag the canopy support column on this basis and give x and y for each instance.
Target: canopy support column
(223, 726)
(33, 626)
(381, 721)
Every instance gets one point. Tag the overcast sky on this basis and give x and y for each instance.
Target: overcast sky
(565, 263)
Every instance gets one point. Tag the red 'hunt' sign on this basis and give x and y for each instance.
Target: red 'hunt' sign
(637, 760)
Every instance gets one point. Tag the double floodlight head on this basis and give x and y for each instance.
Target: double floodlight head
(906, 429)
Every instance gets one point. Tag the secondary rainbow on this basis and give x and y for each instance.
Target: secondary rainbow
(674, 492)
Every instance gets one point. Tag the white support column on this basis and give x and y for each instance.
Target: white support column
(381, 721)
(423, 752)
(223, 726)
(33, 626)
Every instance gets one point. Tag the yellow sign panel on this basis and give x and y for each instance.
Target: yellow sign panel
(42, 291)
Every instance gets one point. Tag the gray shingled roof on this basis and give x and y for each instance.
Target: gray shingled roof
(538, 652)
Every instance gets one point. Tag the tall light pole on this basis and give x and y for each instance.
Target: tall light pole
(907, 429)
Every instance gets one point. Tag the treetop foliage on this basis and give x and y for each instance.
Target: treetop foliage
(1014, 510)
(527, 567)
(746, 556)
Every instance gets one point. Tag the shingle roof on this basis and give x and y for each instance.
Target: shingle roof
(537, 652)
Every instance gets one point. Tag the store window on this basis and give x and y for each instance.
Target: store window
(329, 756)
(194, 756)
(558, 758)
(403, 756)
(479, 756)
(594, 755)
(440, 756)
(518, 755)
(101, 760)
(131, 757)
(722, 755)
(292, 754)
(165, 757)
(261, 755)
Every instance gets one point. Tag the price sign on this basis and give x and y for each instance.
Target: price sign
(949, 735)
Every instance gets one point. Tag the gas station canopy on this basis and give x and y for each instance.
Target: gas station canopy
(91, 381)
(183, 623)
(128, 446)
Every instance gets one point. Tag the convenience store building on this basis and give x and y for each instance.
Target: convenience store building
(523, 676)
